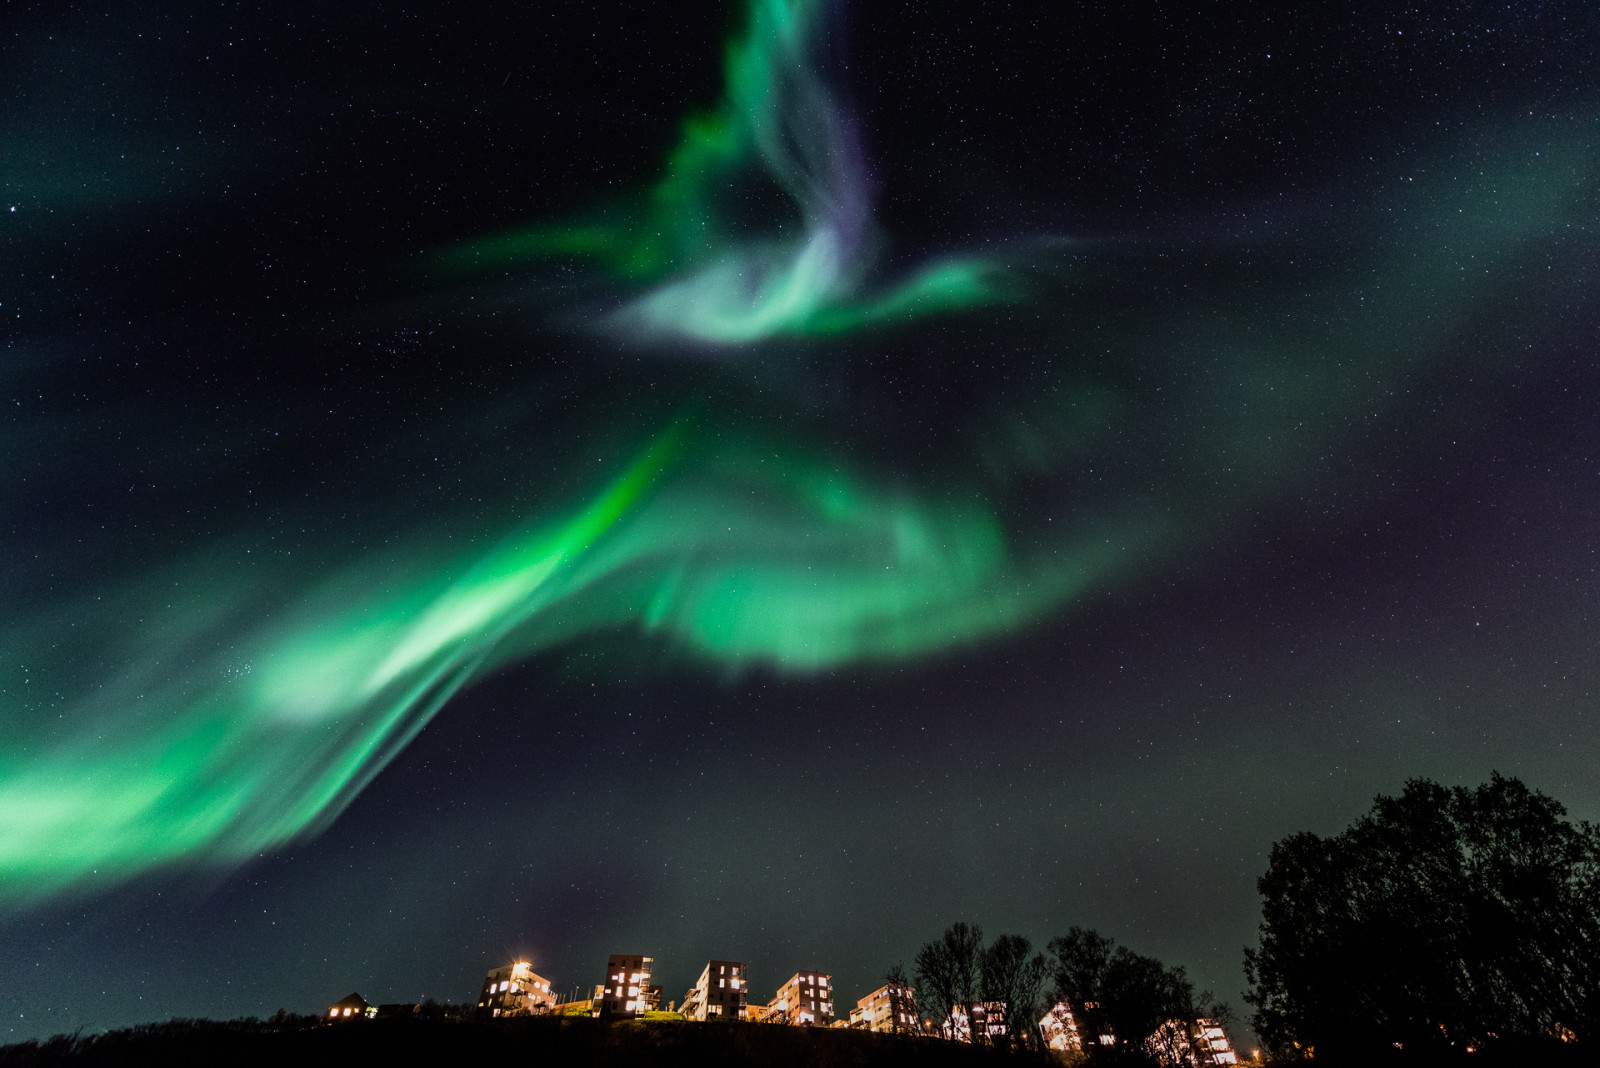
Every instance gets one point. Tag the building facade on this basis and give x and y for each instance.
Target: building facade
(806, 1000)
(890, 1008)
(1059, 1028)
(1199, 1043)
(719, 994)
(627, 990)
(984, 1019)
(514, 988)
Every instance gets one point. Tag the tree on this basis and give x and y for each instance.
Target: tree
(949, 970)
(1147, 1009)
(902, 1002)
(1444, 918)
(1014, 975)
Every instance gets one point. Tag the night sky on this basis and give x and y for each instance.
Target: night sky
(764, 483)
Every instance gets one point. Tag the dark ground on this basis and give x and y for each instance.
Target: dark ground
(531, 1042)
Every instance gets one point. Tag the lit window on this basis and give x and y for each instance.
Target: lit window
(633, 991)
(507, 983)
(347, 1012)
(736, 984)
(722, 969)
(721, 983)
(333, 1012)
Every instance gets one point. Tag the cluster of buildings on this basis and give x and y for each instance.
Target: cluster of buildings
(806, 999)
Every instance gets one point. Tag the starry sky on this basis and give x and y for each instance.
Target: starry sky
(765, 482)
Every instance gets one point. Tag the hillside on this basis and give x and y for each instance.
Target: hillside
(530, 1042)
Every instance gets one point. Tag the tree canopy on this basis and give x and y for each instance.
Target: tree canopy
(1127, 997)
(1445, 918)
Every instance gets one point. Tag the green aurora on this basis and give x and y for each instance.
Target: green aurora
(736, 546)
(778, 122)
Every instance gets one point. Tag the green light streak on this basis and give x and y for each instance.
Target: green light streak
(732, 552)
(778, 119)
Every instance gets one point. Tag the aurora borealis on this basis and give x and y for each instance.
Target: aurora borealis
(780, 122)
(482, 467)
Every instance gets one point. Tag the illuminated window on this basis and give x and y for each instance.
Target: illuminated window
(506, 983)
(633, 991)
(333, 1012)
(721, 983)
(736, 984)
(347, 1012)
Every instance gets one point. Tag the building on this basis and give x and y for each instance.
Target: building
(1211, 1045)
(805, 1000)
(1068, 1026)
(1199, 1043)
(353, 1007)
(1060, 1030)
(627, 990)
(514, 988)
(889, 1008)
(987, 1019)
(719, 994)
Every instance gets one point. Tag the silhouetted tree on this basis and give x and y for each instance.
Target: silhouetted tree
(1014, 974)
(949, 970)
(1444, 918)
(1146, 1008)
(902, 1002)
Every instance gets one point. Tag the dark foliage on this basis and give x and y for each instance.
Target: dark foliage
(1114, 991)
(903, 1005)
(1014, 975)
(1443, 919)
(949, 970)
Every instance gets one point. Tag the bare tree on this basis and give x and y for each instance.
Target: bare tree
(948, 971)
(1014, 975)
(902, 1002)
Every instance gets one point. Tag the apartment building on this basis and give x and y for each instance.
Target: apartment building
(627, 990)
(514, 988)
(889, 1008)
(1059, 1027)
(719, 994)
(1201, 1043)
(986, 1020)
(805, 1000)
